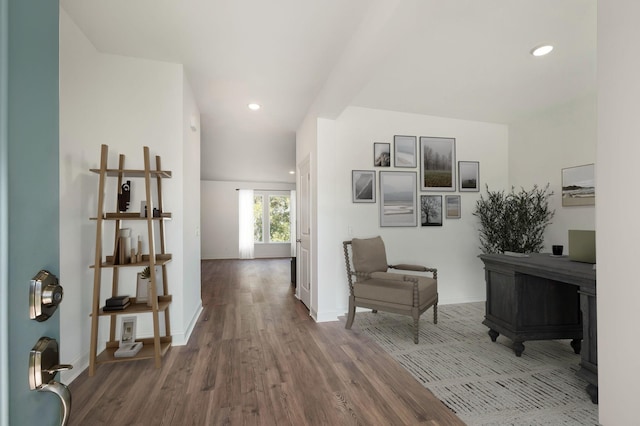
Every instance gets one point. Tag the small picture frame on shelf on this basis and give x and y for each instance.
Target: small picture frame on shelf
(128, 330)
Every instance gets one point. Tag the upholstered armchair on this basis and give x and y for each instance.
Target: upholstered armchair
(371, 286)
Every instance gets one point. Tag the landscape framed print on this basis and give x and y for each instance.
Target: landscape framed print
(579, 186)
(398, 204)
(437, 164)
(363, 186)
(404, 151)
(469, 176)
(431, 210)
(452, 206)
(381, 154)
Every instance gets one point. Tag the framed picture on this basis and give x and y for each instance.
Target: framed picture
(381, 154)
(579, 186)
(469, 176)
(404, 151)
(363, 186)
(437, 164)
(431, 210)
(398, 204)
(128, 330)
(452, 206)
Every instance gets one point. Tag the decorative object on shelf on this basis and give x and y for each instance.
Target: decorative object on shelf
(437, 164)
(124, 196)
(363, 186)
(381, 154)
(514, 221)
(142, 286)
(398, 204)
(139, 253)
(469, 176)
(578, 186)
(404, 154)
(453, 206)
(128, 330)
(431, 210)
(156, 212)
(116, 303)
(128, 346)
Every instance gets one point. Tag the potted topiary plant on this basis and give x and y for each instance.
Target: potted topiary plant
(514, 221)
(142, 289)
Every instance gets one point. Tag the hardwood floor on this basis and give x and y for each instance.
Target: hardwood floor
(256, 357)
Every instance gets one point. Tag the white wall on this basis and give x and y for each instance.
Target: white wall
(220, 220)
(191, 212)
(541, 146)
(125, 103)
(347, 144)
(617, 209)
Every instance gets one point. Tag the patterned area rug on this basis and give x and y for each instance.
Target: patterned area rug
(483, 382)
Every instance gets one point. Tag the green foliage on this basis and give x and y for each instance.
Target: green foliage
(257, 215)
(277, 218)
(146, 273)
(279, 228)
(514, 221)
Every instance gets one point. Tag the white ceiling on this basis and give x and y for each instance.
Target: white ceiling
(464, 59)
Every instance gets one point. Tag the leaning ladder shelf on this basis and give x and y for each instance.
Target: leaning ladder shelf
(154, 347)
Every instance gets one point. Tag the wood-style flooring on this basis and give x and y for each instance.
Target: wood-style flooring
(256, 358)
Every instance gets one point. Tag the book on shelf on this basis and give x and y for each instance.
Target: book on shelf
(117, 301)
(128, 350)
(116, 308)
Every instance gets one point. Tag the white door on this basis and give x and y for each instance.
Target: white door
(304, 231)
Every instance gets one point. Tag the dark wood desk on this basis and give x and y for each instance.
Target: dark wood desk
(542, 297)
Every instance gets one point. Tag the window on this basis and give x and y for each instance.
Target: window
(272, 222)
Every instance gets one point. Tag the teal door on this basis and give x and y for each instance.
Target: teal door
(30, 193)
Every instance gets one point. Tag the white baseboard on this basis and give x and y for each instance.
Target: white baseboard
(181, 339)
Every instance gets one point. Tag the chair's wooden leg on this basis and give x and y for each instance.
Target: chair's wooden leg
(352, 313)
(375, 311)
(435, 313)
(416, 322)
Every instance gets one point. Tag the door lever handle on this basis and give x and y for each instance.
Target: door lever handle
(62, 391)
(44, 364)
(59, 367)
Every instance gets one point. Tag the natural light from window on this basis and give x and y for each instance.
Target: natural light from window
(272, 218)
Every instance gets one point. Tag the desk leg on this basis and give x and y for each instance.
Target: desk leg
(592, 390)
(576, 344)
(518, 348)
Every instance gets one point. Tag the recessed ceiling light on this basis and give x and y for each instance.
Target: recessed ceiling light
(291, 172)
(541, 50)
(254, 107)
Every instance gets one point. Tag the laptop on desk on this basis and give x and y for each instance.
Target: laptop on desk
(582, 246)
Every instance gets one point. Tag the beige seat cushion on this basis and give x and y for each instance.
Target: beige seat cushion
(396, 291)
(369, 255)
